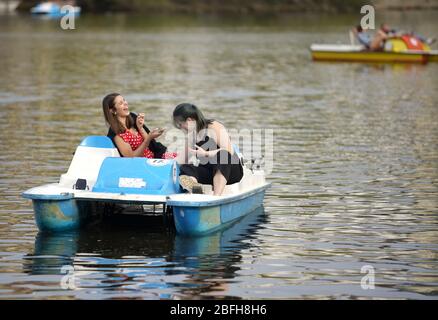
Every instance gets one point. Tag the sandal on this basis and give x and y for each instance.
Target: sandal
(187, 183)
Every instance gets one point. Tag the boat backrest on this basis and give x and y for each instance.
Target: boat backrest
(352, 38)
(87, 160)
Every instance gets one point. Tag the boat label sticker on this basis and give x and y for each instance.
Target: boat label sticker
(131, 183)
(157, 162)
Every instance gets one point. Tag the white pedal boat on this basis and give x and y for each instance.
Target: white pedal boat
(99, 177)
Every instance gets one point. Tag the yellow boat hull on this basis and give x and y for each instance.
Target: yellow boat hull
(369, 57)
(433, 58)
(355, 53)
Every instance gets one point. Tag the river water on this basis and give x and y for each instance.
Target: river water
(355, 171)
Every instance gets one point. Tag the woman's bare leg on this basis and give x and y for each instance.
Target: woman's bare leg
(219, 183)
(377, 42)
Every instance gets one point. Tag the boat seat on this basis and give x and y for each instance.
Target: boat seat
(97, 142)
(87, 159)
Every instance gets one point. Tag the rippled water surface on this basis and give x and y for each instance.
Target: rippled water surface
(355, 176)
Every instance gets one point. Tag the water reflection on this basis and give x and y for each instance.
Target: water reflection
(139, 262)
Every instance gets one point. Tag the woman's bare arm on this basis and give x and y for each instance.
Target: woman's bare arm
(221, 136)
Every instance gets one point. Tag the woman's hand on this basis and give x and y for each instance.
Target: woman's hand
(199, 152)
(155, 133)
(140, 121)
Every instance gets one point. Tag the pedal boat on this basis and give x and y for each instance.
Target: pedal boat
(99, 179)
(394, 52)
(53, 10)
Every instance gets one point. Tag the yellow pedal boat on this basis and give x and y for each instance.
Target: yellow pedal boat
(394, 51)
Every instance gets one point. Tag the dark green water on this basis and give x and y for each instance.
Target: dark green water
(355, 176)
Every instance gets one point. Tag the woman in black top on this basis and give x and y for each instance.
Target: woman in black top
(216, 162)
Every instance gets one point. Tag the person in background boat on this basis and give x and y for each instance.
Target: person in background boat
(374, 44)
(392, 32)
(128, 131)
(216, 163)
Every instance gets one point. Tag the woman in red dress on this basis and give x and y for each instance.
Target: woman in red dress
(128, 132)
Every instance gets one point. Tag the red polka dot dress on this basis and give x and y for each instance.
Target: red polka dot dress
(135, 140)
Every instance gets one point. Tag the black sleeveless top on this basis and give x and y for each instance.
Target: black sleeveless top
(209, 144)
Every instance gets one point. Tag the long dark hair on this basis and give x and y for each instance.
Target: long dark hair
(183, 111)
(108, 105)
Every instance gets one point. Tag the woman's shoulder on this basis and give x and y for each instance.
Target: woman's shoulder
(216, 125)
